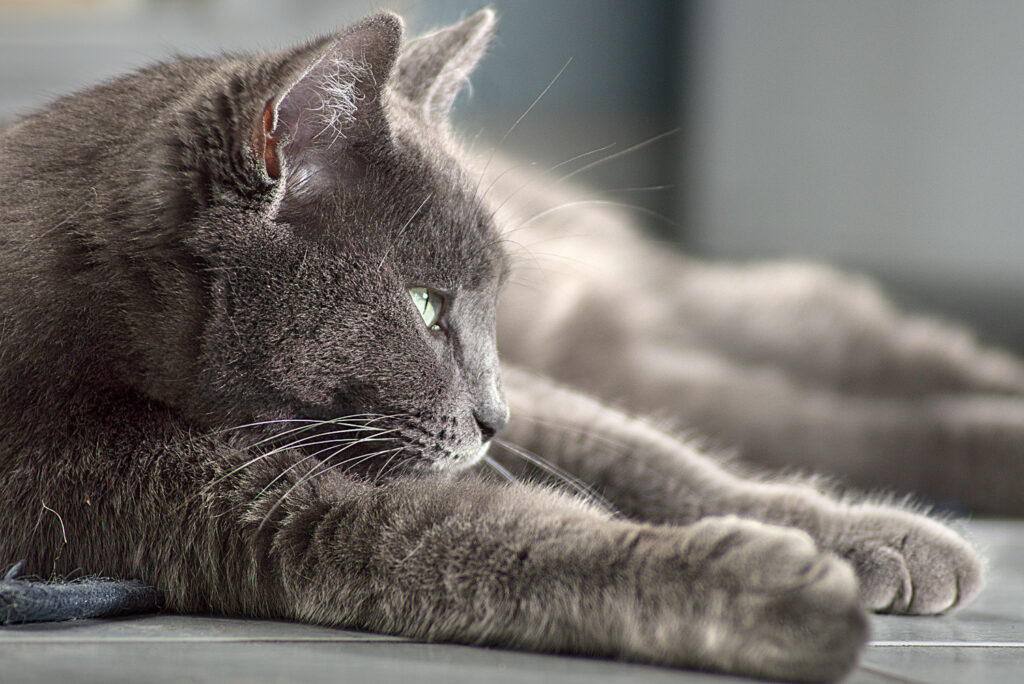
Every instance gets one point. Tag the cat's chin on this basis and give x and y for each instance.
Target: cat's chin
(460, 462)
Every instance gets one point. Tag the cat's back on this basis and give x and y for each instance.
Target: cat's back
(106, 113)
(79, 181)
(65, 154)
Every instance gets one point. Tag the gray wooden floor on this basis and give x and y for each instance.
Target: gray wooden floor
(983, 643)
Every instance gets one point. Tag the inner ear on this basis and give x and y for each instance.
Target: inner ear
(265, 142)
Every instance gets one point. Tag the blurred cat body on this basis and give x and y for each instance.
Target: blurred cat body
(790, 365)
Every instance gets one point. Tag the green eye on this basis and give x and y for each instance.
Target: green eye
(430, 304)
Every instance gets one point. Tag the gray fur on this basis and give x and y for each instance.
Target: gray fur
(214, 381)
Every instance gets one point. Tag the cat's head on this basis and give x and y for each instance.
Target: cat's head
(349, 268)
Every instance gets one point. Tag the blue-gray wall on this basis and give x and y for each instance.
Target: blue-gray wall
(885, 136)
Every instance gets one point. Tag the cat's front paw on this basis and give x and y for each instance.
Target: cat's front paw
(909, 564)
(789, 610)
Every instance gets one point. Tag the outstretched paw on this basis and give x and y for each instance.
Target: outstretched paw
(908, 564)
(793, 609)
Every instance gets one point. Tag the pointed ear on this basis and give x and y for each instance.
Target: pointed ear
(328, 92)
(433, 69)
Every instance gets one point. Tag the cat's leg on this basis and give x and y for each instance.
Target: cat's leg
(827, 328)
(503, 566)
(446, 559)
(964, 450)
(906, 563)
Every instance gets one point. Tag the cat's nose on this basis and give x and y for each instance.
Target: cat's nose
(490, 422)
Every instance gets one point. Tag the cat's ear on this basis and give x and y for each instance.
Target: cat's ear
(327, 94)
(434, 68)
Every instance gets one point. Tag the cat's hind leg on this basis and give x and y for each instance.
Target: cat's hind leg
(581, 310)
(826, 328)
(960, 450)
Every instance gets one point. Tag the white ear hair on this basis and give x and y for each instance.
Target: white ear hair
(338, 97)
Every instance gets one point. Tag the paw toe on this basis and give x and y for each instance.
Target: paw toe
(885, 582)
(924, 569)
(946, 575)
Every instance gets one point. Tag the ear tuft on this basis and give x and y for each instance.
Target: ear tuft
(434, 68)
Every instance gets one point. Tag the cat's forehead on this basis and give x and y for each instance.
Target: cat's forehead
(440, 213)
(412, 206)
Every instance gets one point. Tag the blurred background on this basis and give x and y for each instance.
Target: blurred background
(880, 136)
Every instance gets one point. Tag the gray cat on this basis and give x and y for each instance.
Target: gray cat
(248, 352)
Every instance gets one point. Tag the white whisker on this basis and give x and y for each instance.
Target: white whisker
(500, 469)
(394, 240)
(570, 160)
(567, 205)
(575, 483)
(318, 470)
(616, 155)
(523, 116)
